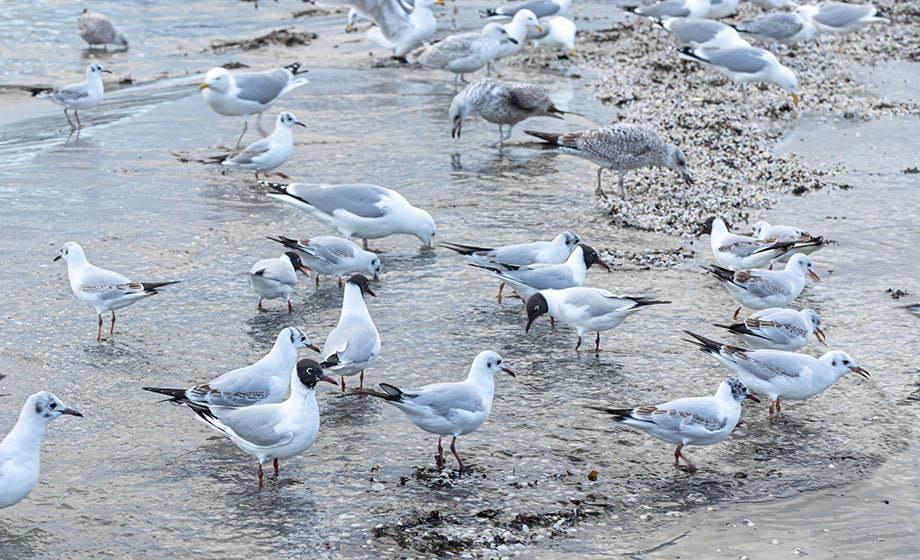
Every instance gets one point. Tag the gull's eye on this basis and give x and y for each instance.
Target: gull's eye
(52, 405)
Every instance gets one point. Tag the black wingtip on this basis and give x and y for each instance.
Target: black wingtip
(619, 414)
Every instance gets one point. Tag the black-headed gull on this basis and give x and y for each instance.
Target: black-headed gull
(399, 26)
(804, 242)
(97, 29)
(760, 288)
(276, 278)
(244, 93)
(354, 342)
(746, 64)
(540, 8)
(528, 280)
(779, 27)
(702, 32)
(450, 409)
(463, 53)
(364, 211)
(688, 421)
(585, 309)
(268, 153)
(85, 95)
(274, 430)
(502, 103)
(738, 252)
(780, 374)
(621, 148)
(103, 290)
(333, 256)
(20, 449)
(520, 254)
(265, 381)
(779, 329)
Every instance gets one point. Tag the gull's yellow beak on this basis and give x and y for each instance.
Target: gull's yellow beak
(539, 28)
(202, 86)
(795, 98)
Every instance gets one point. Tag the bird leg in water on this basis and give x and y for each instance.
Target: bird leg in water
(454, 451)
(361, 383)
(597, 343)
(99, 334)
(276, 466)
(343, 382)
(112, 329)
(500, 288)
(439, 458)
(260, 476)
(737, 311)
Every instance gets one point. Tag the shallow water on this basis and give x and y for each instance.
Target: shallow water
(139, 479)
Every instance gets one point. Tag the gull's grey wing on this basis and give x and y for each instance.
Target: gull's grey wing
(365, 201)
(747, 60)
(841, 15)
(442, 398)
(262, 87)
(256, 424)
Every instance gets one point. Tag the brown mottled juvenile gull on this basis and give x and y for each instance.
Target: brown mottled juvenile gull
(502, 103)
(621, 147)
(464, 52)
(96, 29)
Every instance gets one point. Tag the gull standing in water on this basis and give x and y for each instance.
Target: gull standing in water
(20, 449)
(103, 290)
(619, 147)
(779, 329)
(463, 53)
(267, 153)
(450, 409)
(244, 93)
(747, 64)
(276, 278)
(502, 103)
(85, 95)
(333, 256)
(688, 421)
(760, 288)
(96, 29)
(397, 26)
(354, 342)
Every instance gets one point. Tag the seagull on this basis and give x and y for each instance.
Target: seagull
(739, 252)
(103, 290)
(839, 18)
(673, 8)
(85, 95)
(268, 153)
(557, 31)
(95, 29)
(334, 256)
(779, 27)
(621, 147)
(721, 8)
(365, 211)
(450, 409)
(747, 64)
(521, 254)
(759, 288)
(518, 28)
(540, 8)
(276, 278)
(701, 32)
(688, 421)
(272, 430)
(585, 309)
(528, 280)
(354, 342)
(265, 381)
(776, 4)
(502, 103)
(398, 26)
(779, 329)
(464, 52)
(804, 242)
(19, 450)
(245, 93)
(780, 374)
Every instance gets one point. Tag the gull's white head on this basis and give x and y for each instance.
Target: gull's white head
(842, 364)
(217, 79)
(71, 252)
(95, 70)
(489, 363)
(422, 226)
(522, 21)
(459, 109)
(560, 33)
(801, 265)
(288, 120)
(759, 228)
(785, 78)
(812, 317)
(45, 407)
(295, 338)
(736, 389)
(570, 239)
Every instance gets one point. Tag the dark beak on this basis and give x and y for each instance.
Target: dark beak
(513, 40)
(371, 292)
(813, 275)
(508, 371)
(687, 178)
(820, 336)
(455, 131)
(529, 322)
(860, 371)
(752, 396)
(56, 259)
(328, 379)
(603, 264)
(314, 347)
(71, 412)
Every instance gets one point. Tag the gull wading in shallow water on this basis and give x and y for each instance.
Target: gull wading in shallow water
(364, 211)
(275, 430)
(759, 288)
(85, 95)
(619, 147)
(463, 53)
(779, 329)
(585, 309)
(778, 374)
(96, 29)
(103, 290)
(276, 278)
(268, 153)
(450, 409)
(265, 381)
(520, 254)
(244, 93)
(804, 242)
(333, 256)
(738, 252)
(688, 421)
(354, 342)
(398, 25)
(20, 449)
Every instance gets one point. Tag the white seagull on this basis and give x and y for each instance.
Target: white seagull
(739, 252)
(619, 147)
(276, 278)
(103, 290)
(702, 32)
(674, 9)
(519, 28)
(557, 31)
(780, 374)
(398, 26)
(779, 329)
(364, 211)
(540, 8)
(464, 52)
(839, 18)
(779, 27)
(688, 421)
(268, 153)
(244, 93)
(721, 8)
(272, 430)
(265, 381)
(85, 95)
(354, 342)
(776, 4)
(19, 450)
(521, 254)
(502, 103)
(528, 280)
(804, 242)
(585, 309)
(759, 288)
(747, 64)
(450, 409)
(333, 256)
(96, 29)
